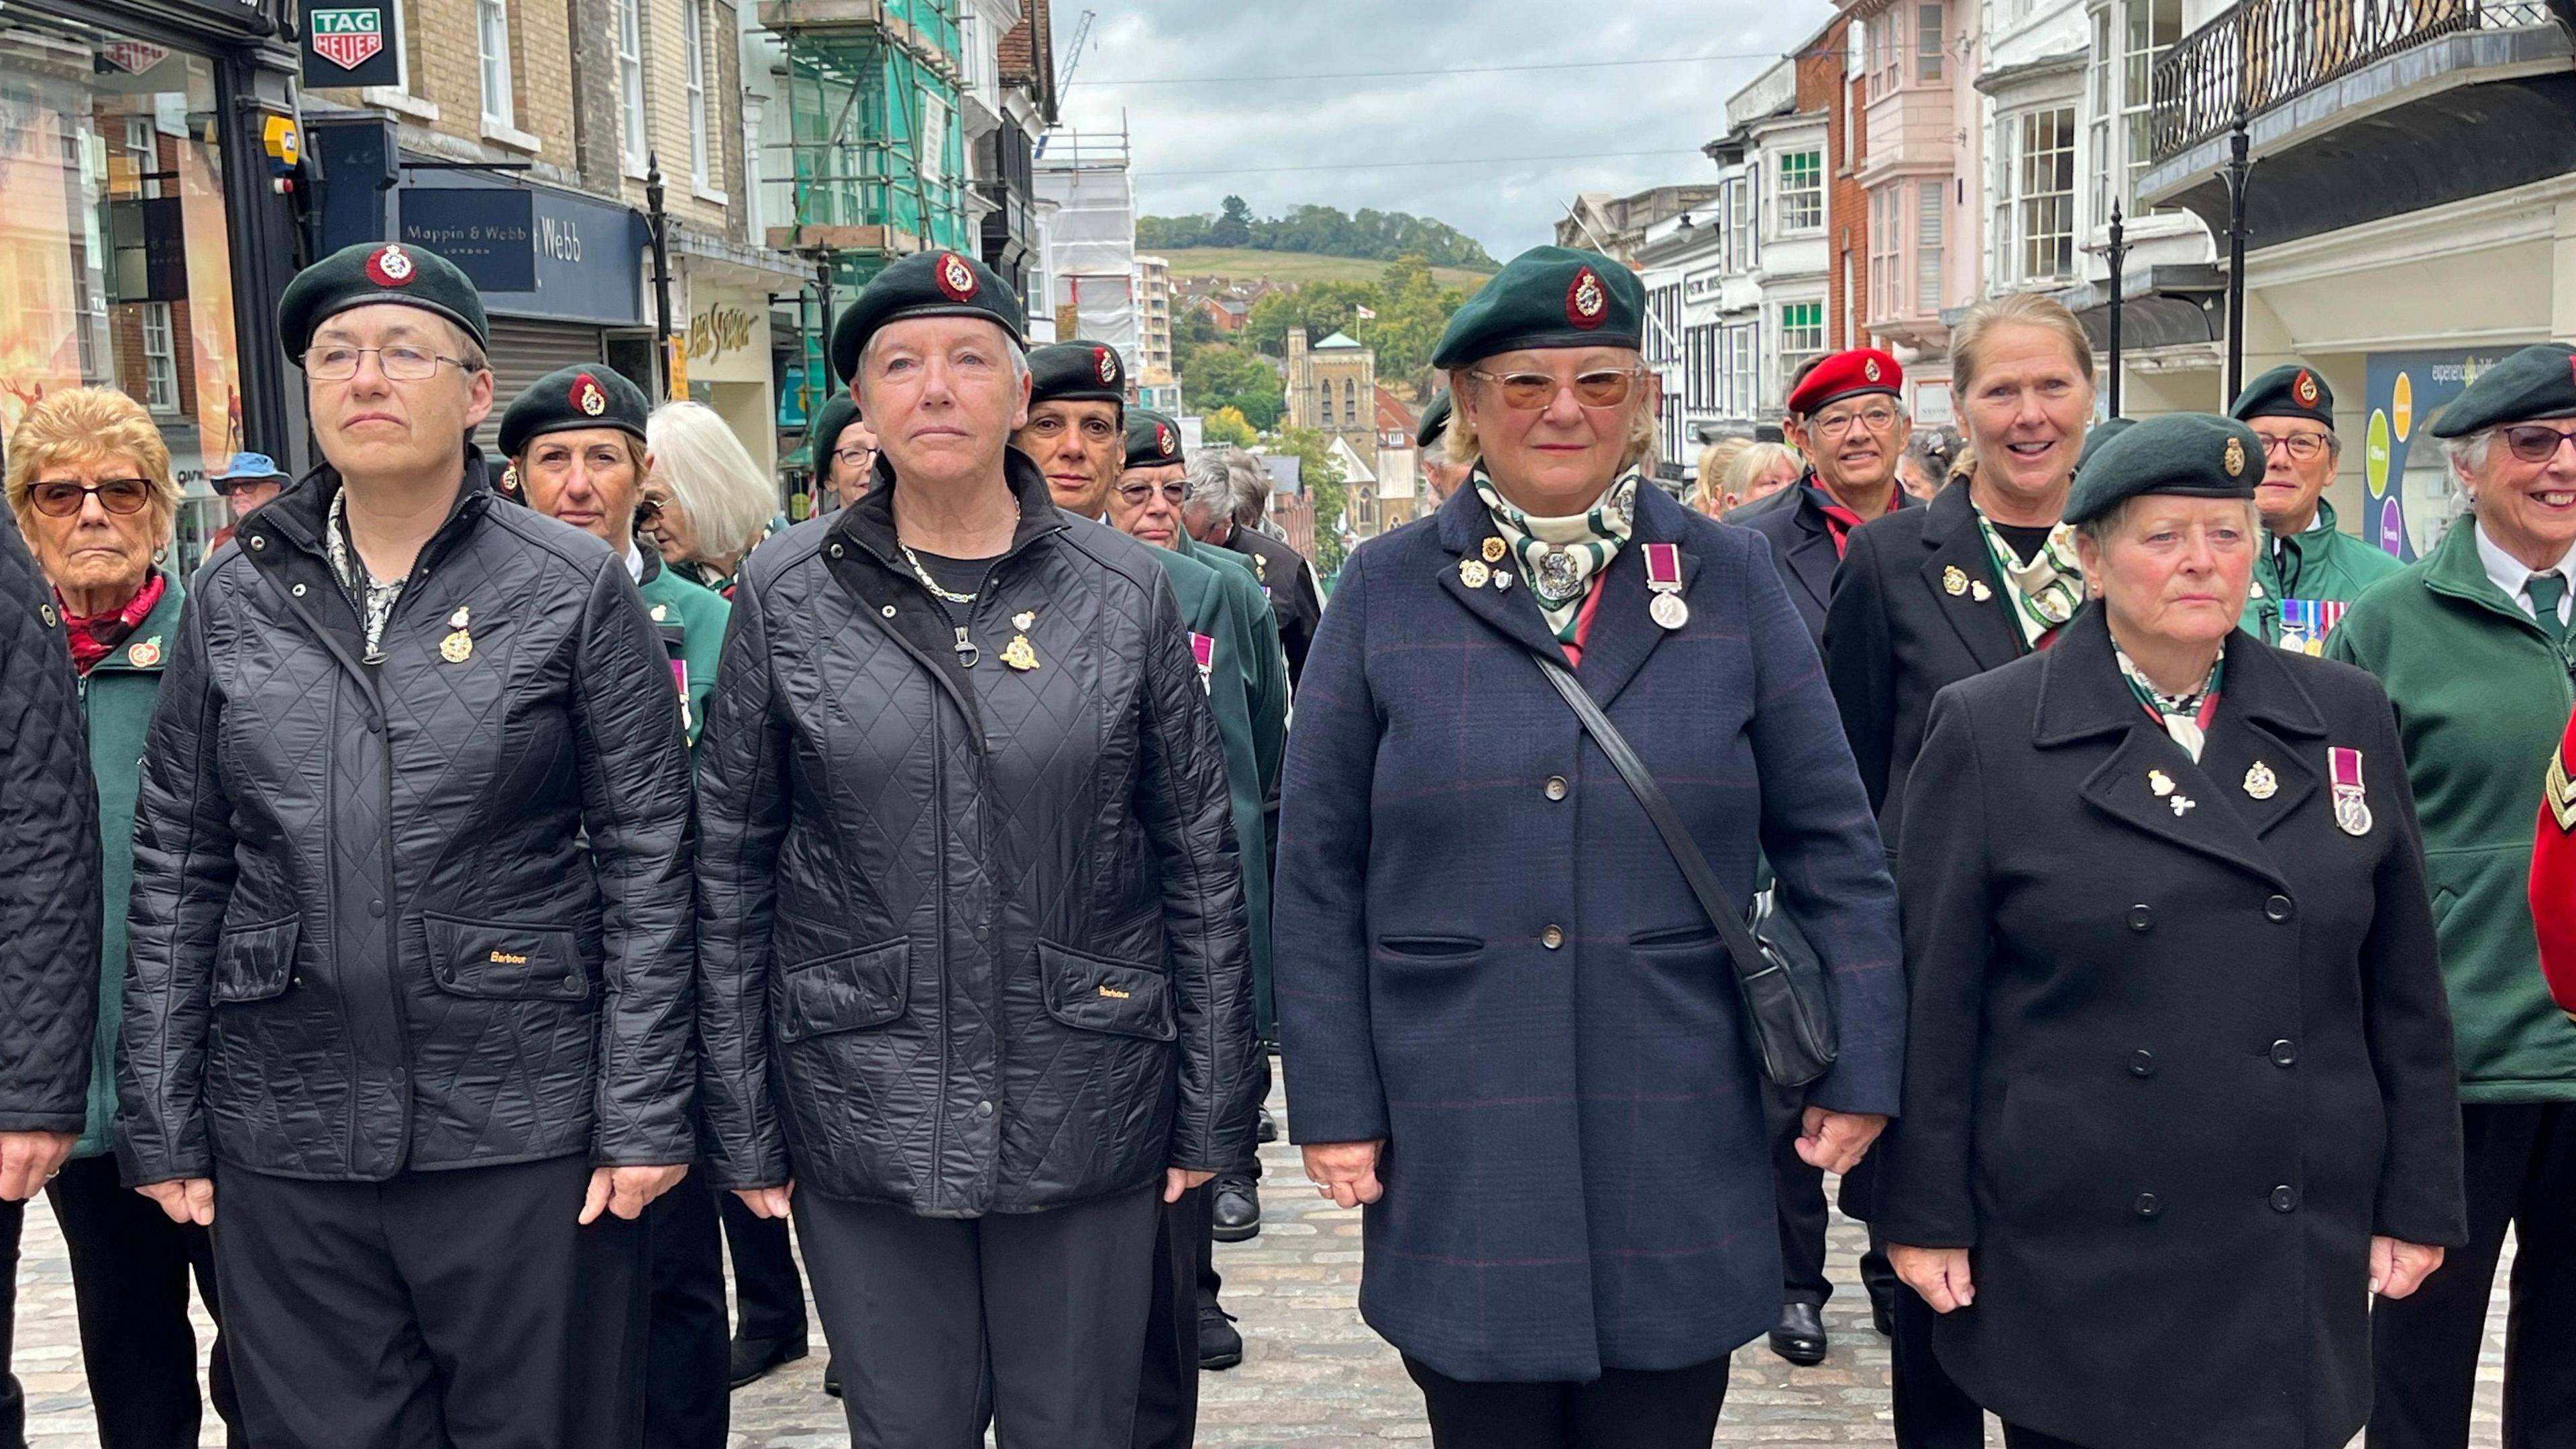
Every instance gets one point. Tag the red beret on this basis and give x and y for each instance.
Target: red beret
(1848, 374)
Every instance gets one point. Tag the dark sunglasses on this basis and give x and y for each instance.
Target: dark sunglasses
(648, 510)
(2535, 444)
(63, 499)
(1530, 391)
(1137, 493)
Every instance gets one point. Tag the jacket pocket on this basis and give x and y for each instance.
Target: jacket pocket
(503, 960)
(1093, 993)
(851, 991)
(255, 962)
(1429, 948)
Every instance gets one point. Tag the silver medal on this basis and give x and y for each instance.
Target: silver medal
(1669, 610)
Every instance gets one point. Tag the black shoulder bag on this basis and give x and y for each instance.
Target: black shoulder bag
(1776, 970)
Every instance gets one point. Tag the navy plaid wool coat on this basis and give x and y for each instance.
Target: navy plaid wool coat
(1485, 955)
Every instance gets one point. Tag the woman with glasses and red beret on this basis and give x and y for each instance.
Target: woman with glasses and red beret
(1509, 1027)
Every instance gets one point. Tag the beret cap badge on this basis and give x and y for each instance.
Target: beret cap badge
(2306, 388)
(1869, 369)
(588, 396)
(1107, 362)
(955, 277)
(1586, 303)
(391, 266)
(1163, 437)
(2234, 458)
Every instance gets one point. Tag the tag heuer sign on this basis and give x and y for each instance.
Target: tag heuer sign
(350, 46)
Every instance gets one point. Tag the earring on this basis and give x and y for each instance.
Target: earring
(161, 554)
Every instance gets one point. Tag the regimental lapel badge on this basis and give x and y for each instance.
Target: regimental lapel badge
(46, 613)
(1502, 580)
(2561, 793)
(1978, 591)
(1473, 573)
(145, 653)
(1954, 581)
(1019, 655)
(2160, 782)
(1024, 620)
(1492, 550)
(1664, 582)
(661, 612)
(2181, 803)
(2260, 782)
(1203, 649)
(458, 646)
(2351, 804)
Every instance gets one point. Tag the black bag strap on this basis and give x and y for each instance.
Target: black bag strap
(1722, 912)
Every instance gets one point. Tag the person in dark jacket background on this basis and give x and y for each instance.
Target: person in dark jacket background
(1507, 1024)
(93, 489)
(411, 934)
(2178, 1093)
(49, 919)
(974, 991)
(1286, 579)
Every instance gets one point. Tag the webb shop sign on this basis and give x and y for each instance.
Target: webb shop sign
(352, 45)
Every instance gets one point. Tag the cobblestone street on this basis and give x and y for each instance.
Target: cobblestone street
(1313, 1375)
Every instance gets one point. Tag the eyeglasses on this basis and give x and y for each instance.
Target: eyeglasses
(2535, 444)
(61, 499)
(1137, 494)
(857, 457)
(2305, 447)
(1530, 391)
(1877, 420)
(648, 509)
(335, 363)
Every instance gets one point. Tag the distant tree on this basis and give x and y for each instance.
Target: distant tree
(1323, 480)
(1233, 226)
(1193, 327)
(1322, 308)
(1216, 377)
(1173, 233)
(1410, 310)
(1228, 425)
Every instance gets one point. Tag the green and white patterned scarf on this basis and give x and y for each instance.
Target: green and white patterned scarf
(1560, 557)
(375, 600)
(2185, 716)
(2047, 590)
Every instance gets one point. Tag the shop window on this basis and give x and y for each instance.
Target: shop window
(492, 32)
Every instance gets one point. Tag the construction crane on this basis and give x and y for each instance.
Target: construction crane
(1072, 63)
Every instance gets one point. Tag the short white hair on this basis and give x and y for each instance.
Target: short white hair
(710, 476)
(2468, 456)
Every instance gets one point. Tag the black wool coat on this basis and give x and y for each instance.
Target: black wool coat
(2178, 1048)
(1802, 544)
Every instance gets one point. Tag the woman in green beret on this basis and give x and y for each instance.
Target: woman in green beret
(2178, 1091)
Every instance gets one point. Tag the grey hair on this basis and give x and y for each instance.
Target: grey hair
(711, 478)
(2468, 456)
(1211, 483)
(1252, 485)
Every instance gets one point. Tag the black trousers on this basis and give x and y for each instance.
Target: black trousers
(1622, 1409)
(436, 1310)
(688, 1363)
(1932, 1411)
(13, 1401)
(768, 1292)
(2017, 1437)
(2521, 1171)
(1167, 1404)
(1798, 1193)
(131, 1267)
(1036, 1318)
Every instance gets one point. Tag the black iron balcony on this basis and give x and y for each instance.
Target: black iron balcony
(2261, 53)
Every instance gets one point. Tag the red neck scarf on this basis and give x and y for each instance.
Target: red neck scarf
(96, 637)
(1839, 521)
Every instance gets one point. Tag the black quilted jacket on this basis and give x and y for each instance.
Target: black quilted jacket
(49, 901)
(971, 938)
(433, 912)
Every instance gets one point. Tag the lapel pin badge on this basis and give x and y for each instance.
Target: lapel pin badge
(2351, 802)
(2260, 782)
(1664, 582)
(1954, 580)
(458, 646)
(2160, 782)
(1979, 592)
(1473, 573)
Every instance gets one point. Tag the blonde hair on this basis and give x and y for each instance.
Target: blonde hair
(87, 425)
(2019, 309)
(1756, 460)
(711, 479)
(1461, 446)
(1714, 458)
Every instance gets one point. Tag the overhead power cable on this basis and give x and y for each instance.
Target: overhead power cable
(1457, 161)
(1209, 80)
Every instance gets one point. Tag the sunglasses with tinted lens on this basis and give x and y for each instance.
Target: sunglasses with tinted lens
(1136, 494)
(648, 510)
(116, 495)
(1530, 391)
(2535, 444)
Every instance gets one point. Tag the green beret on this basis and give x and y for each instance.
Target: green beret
(2100, 433)
(585, 395)
(2537, 382)
(831, 420)
(2187, 455)
(925, 284)
(1547, 297)
(1435, 421)
(1077, 372)
(1153, 440)
(2292, 390)
(371, 272)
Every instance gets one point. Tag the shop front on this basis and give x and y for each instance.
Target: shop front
(142, 245)
(728, 358)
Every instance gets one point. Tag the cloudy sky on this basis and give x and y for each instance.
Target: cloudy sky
(1228, 130)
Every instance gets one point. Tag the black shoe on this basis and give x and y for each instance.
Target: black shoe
(1882, 1316)
(1237, 1211)
(1269, 1127)
(1220, 1347)
(1800, 1335)
(753, 1357)
(831, 1378)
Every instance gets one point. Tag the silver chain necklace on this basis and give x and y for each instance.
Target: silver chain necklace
(927, 581)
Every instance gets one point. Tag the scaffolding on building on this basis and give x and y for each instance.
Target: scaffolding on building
(1091, 241)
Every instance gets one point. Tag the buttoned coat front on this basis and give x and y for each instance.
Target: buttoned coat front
(2178, 1049)
(1487, 957)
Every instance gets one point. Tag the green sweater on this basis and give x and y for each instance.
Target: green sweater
(2481, 697)
(117, 696)
(691, 619)
(1265, 684)
(2322, 562)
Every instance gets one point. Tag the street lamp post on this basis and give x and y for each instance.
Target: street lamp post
(2238, 169)
(2119, 274)
(659, 222)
